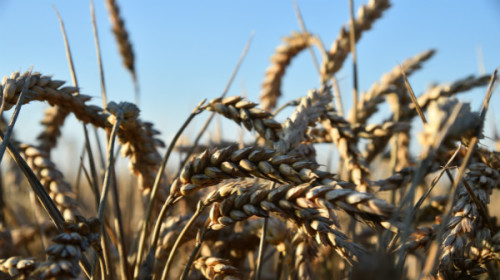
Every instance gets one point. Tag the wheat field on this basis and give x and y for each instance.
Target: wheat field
(258, 207)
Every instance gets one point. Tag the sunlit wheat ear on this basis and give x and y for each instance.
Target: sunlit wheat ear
(490, 158)
(408, 111)
(235, 243)
(370, 131)
(421, 238)
(62, 257)
(122, 37)
(139, 143)
(307, 113)
(448, 90)
(390, 82)
(216, 268)
(467, 229)
(271, 87)
(340, 48)
(246, 202)
(396, 181)
(439, 111)
(246, 113)
(52, 121)
(53, 180)
(18, 267)
(138, 138)
(346, 141)
(213, 166)
(306, 251)
(13, 241)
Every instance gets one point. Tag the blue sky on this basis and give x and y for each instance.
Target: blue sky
(186, 50)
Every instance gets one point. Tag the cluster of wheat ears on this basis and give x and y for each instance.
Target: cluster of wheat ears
(260, 210)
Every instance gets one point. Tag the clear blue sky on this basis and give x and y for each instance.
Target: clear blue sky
(186, 50)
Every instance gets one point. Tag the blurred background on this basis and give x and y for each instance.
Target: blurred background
(186, 51)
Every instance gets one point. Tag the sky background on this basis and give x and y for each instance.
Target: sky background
(186, 50)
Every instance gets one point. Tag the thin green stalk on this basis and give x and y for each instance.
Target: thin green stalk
(79, 172)
(337, 97)
(120, 234)
(13, 119)
(427, 157)
(93, 169)
(105, 256)
(109, 169)
(288, 103)
(105, 190)
(194, 253)
(100, 152)
(395, 148)
(224, 92)
(352, 43)
(98, 51)
(432, 260)
(279, 266)
(434, 182)
(304, 29)
(38, 220)
(137, 89)
(42, 195)
(2, 201)
(258, 269)
(449, 207)
(412, 96)
(154, 191)
(199, 209)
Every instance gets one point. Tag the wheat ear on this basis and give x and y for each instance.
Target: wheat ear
(136, 137)
(408, 112)
(341, 47)
(463, 241)
(245, 112)
(246, 202)
(389, 82)
(53, 181)
(63, 256)
(305, 253)
(309, 111)
(122, 37)
(271, 87)
(18, 267)
(346, 142)
(216, 268)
